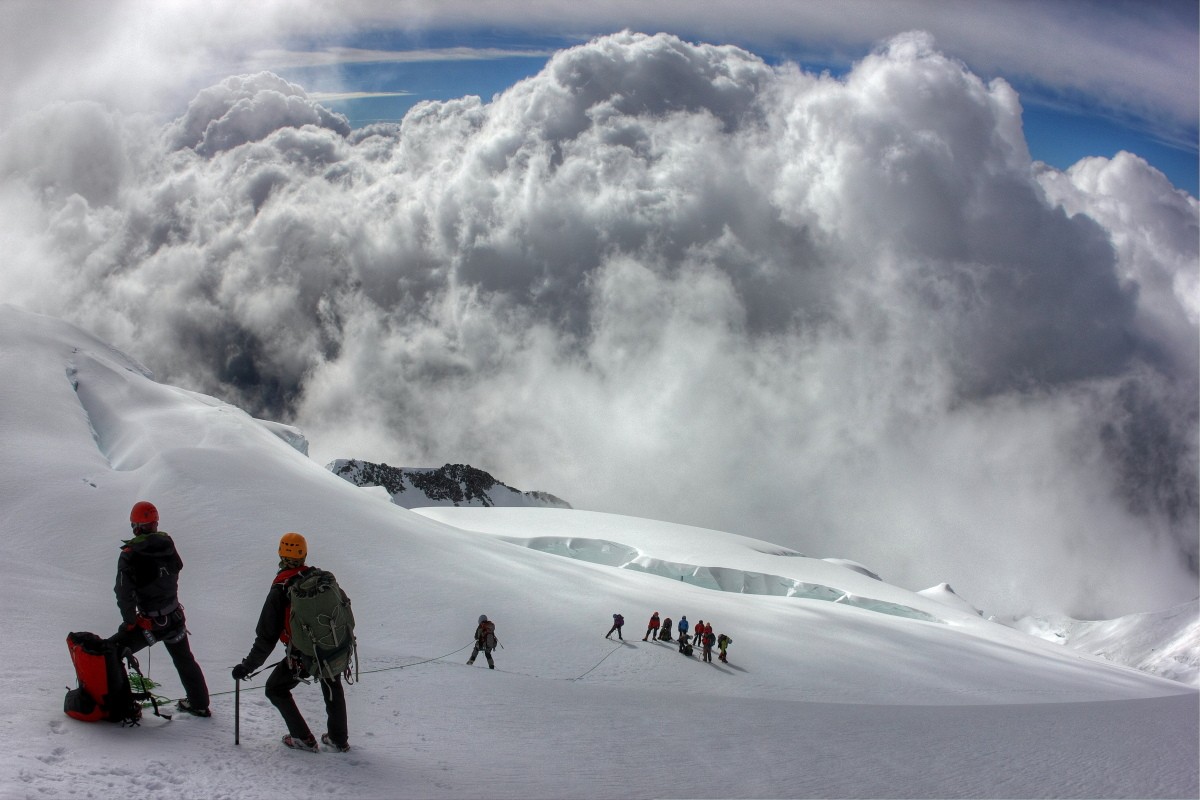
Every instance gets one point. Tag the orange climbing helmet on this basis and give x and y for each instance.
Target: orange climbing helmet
(292, 545)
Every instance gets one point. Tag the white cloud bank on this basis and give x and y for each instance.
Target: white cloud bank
(667, 280)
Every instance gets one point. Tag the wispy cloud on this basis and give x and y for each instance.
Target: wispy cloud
(334, 97)
(334, 56)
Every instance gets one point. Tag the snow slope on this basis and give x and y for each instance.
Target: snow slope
(1165, 643)
(838, 684)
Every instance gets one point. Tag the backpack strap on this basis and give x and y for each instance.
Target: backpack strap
(282, 580)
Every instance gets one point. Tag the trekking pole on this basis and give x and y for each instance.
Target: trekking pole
(237, 711)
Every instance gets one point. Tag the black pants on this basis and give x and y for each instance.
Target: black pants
(279, 691)
(175, 639)
(487, 653)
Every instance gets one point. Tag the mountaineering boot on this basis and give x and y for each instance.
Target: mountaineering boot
(308, 745)
(341, 748)
(186, 705)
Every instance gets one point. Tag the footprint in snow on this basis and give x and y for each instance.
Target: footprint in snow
(57, 755)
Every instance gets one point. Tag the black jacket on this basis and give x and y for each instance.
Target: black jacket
(147, 577)
(272, 621)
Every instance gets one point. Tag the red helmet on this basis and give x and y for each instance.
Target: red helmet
(143, 513)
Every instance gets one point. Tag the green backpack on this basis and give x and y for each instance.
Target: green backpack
(322, 625)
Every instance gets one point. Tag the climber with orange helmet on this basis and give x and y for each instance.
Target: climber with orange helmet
(274, 627)
(147, 590)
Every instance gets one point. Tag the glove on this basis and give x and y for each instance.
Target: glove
(240, 672)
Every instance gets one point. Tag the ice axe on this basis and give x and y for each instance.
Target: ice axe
(237, 711)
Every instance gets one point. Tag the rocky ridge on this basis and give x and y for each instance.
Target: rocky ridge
(448, 485)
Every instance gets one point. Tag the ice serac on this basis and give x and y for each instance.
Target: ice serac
(448, 485)
(288, 433)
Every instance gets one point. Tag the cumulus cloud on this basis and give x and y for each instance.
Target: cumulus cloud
(246, 109)
(847, 315)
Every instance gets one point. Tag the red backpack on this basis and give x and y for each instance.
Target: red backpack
(104, 691)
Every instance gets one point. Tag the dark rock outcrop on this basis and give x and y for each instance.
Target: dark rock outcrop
(450, 484)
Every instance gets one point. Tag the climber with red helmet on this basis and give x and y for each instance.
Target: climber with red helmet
(147, 596)
(652, 627)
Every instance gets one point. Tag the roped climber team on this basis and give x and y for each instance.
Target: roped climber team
(309, 613)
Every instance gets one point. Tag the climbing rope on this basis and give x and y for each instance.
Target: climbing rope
(601, 661)
(617, 647)
(363, 672)
(419, 663)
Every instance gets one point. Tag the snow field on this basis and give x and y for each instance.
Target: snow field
(819, 699)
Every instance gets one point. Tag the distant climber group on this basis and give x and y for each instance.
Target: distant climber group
(659, 629)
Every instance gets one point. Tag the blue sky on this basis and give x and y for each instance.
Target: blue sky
(1068, 114)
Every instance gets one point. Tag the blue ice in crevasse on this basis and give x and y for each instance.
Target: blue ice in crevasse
(724, 579)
